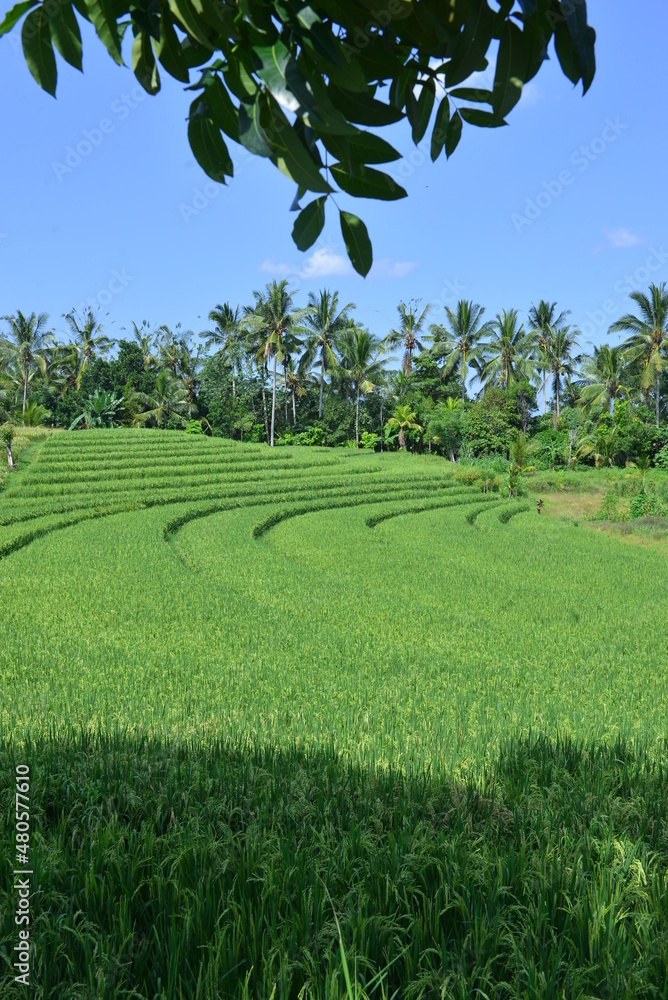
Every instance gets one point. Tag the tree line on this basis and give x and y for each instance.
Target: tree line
(277, 372)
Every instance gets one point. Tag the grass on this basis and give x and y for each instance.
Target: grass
(261, 703)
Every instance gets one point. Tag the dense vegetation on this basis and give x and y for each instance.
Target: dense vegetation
(275, 372)
(263, 691)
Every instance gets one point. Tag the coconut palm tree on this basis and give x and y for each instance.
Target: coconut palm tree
(648, 342)
(145, 339)
(89, 340)
(543, 320)
(363, 356)
(226, 337)
(560, 362)
(404, 419)
(26, 346)
(508, 353)
(174, 351)
(459, 341)
(274, 319)
(604, 377)
(324, 321)
(409, 332)
(296, 382)
(168, 399)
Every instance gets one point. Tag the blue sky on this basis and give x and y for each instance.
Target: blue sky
(567, 203)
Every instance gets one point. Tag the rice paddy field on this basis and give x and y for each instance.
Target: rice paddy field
(307, 722)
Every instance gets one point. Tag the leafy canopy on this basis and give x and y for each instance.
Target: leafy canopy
(294, 83)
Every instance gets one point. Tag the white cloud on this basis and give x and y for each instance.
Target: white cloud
(387, 268)
(326, 262)
(620, 238)
(321, 263)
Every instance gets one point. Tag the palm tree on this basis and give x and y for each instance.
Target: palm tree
(560, 363)
(542, 322)
(364, 360)
(174, 350)
(89, 339)
(324, 321)
(273, 317)
(296, 382)
(459, 341)
(168, 399)
(26, 346)
(146, 342)
(226, 336)
(408, 334)
(649, 336)
(509, 351)
(604, 377)
(404, 419)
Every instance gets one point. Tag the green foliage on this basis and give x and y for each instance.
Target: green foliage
(331, 69)
(194, 427)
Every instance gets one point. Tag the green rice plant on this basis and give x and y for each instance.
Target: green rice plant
(509, 512)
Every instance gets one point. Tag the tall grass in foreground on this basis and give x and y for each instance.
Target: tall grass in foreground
(167, 870)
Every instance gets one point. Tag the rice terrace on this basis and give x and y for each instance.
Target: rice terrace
(333, 612)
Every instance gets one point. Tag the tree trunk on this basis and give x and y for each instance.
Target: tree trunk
(10, 460)
(357, 417)
(452, 454)
(25, 389)
(294, 410)
(544, 391)
(381, 423)
(462, 372)
(264, 405)
(322, 382)
(555, 413)
(658, 390)
(402, 439)
(273, 404)
(285, 391)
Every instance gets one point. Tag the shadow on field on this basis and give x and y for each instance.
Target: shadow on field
(173, 870)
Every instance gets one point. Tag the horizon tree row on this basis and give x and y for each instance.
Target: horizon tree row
(467, 385)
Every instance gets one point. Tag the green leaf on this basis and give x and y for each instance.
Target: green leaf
(143, 63)
(439, 135)
(583, 37)
(358, 244)
(361, 147)
(484, 119)
(364, 182)
(209, 147)
(454, 134)
(191, 21)
(469, 52)
(168, 48)
(362, 108)
(66, 35)
(251, 133)
(36, 38)
(289, 154)
(15, 14)
(419, 111)
(223, 111)
(102, 15)
(308, 224)
(511, 69)
(473, 94)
